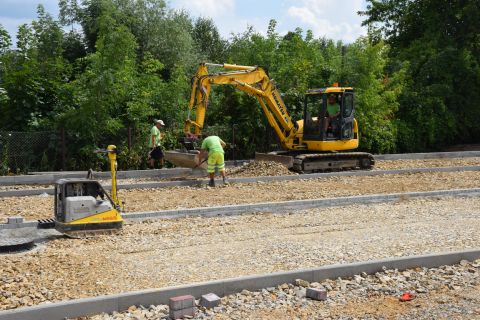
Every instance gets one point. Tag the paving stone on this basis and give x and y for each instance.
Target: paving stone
(209, 301)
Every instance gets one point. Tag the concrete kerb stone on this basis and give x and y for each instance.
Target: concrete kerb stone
(131, 174)
(121, 302)
(433, 155)
(151, 185)
(277, 207)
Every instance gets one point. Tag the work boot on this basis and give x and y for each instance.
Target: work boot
(225, 181)
(211, 184)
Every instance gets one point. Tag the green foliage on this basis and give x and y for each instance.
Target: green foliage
(209, 41)
(376, 94)
(33, 75)
(440, 42)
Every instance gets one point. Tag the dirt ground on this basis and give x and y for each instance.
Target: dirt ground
(161, 253)
(141, 200)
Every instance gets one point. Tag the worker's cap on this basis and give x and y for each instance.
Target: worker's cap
(161, 122)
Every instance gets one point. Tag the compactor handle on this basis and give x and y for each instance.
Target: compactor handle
(115, 150)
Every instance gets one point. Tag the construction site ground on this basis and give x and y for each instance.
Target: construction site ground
(254, 169)
(160, 253)
(142, 200)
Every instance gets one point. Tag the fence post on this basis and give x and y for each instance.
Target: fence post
(129, 138)
(233, 144)
(64, 167)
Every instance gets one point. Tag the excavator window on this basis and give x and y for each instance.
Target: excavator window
(313, 116)
(348, 107)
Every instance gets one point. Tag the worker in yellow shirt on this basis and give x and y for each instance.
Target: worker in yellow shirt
(215, 147)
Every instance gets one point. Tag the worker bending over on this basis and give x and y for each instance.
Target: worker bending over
(215, 147)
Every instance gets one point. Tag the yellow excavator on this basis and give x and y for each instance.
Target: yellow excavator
(309, 147)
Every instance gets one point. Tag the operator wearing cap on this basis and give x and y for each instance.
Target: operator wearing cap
(155, 145)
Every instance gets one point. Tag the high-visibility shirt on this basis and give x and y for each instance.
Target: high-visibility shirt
(213, 144)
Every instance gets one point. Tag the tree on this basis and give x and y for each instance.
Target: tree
(376, 94)
(208, 40)
(34, 74)
(440, 41)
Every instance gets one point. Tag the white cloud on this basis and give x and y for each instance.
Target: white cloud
(12, 24)
(210, 8)
(337, 19)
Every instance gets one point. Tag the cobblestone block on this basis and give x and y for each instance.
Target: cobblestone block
(12, 220)
(210, 300)
(180, 314)
(316, 294)
(182, 302)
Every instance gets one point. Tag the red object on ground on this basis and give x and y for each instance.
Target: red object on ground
(406, 297)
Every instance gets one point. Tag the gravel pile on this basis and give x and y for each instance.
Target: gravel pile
(162, 253)
(441, 293)
(259, 169)
(253, 169)
(141, 200)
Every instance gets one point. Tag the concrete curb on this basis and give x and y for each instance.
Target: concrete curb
(130, 174)
(277, 207)
(433, 155)
(33, 192)
(51, 178)
(121, 302)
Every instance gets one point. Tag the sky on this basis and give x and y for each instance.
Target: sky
(335, 19)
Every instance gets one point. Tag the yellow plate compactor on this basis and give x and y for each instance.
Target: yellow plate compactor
(84, 209)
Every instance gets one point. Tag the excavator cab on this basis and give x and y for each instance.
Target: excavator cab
(316, 111)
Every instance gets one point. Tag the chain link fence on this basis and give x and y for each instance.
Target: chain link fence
(23, 152)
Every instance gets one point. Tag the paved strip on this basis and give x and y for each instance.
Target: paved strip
(277, 207)
(34, 192)
(121, 302)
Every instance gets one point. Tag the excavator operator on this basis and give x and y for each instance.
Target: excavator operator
(333, 111)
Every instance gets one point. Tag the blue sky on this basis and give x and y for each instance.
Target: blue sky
(336, 19)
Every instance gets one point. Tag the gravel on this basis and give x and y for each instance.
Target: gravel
(441, 293)
(141, 200)
(256, 169)
(161, 253)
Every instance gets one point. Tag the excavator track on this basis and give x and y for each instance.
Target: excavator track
(328, 161)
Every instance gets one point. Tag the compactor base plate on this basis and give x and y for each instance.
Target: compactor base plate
(81, 234)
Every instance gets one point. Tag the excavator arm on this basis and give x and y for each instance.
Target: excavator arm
(251, 80)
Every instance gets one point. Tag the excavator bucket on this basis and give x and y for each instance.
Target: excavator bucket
(186, 159)
(285, 160)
